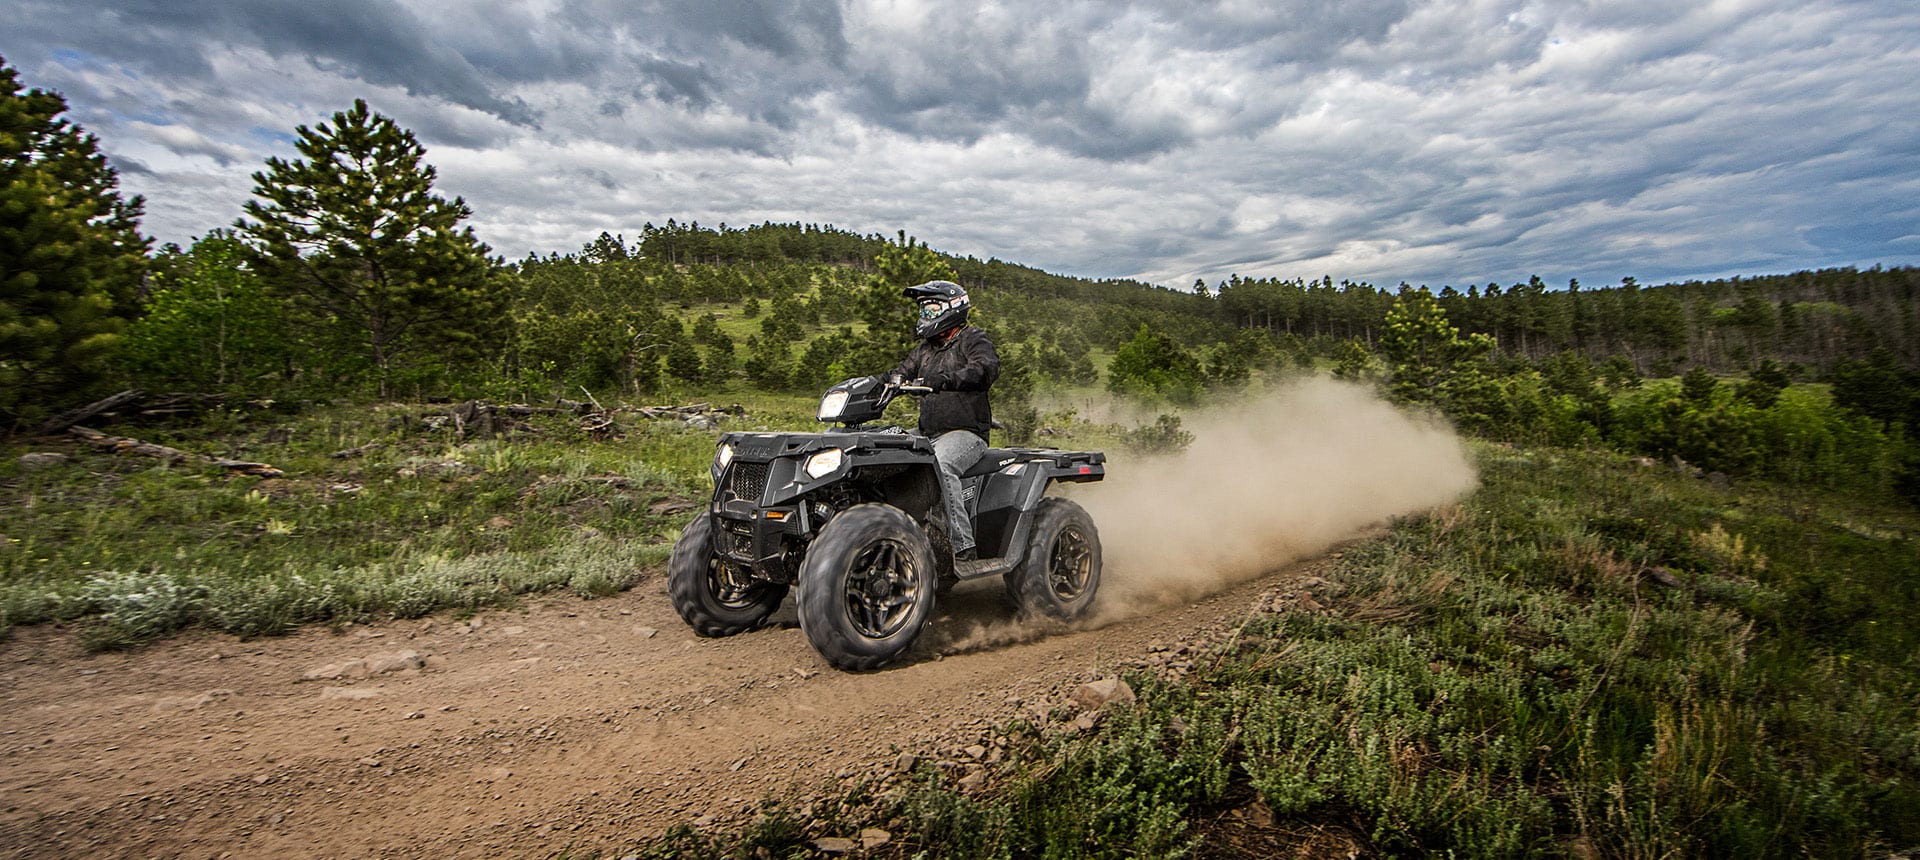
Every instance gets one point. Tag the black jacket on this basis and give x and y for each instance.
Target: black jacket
(959, 369)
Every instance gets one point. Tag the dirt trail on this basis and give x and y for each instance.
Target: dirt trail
(588, 725)
(569, 724)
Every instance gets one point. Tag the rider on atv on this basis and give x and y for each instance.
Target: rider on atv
(851, 516)
(958, 362)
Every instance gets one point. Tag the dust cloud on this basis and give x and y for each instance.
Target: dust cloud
(1279, 478)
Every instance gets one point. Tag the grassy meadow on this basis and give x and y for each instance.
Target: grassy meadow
(134, 547)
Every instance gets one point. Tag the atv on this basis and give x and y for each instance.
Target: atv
(854, 518)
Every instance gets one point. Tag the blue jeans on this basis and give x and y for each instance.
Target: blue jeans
(956, 451)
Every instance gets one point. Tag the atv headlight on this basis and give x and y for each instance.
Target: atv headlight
(722, 457)
(823, 463)
(832, 405)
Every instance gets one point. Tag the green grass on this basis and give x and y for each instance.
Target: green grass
(1507, 677)
(422, 522)
(134, 548)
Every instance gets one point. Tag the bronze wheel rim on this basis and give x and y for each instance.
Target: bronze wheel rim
(1070, 565)
(882, 589)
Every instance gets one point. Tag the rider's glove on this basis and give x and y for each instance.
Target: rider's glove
(896, 378)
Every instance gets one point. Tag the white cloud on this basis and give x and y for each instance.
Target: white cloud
(1389, 140)
(182, 141)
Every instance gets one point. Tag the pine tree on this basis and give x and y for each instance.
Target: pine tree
(1698, 386)
(911, 262)
(903, 265)
(355, 234)
(1422, 348)
(1661, 327)
(71, 254)
(1878, 388)
(683, 361)
(1764, 384)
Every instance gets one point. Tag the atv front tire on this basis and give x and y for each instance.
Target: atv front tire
(715, 599)
(1060, 572)
(867, 587)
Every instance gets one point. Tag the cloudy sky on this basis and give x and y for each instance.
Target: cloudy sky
(1380, 140)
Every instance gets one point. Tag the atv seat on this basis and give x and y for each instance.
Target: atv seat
(992, 460)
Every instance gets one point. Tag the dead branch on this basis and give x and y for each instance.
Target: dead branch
(592, 399)
(600, 427)
(74, 416)
(135, 404)
(168, 405)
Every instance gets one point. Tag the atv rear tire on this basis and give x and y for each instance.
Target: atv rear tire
(714, 599)
(1060, 572)
(867, 587)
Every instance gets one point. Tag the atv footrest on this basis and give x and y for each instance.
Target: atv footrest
(981, 567)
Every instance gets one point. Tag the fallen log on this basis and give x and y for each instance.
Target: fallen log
(523, 411)
(128, 445)
(486, 420)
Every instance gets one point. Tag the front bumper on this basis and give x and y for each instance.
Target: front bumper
(753, 537)
(748, 533)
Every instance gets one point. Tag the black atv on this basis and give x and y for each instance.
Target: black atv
(853, 516)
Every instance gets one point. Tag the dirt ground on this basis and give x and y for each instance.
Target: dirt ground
(566, 725)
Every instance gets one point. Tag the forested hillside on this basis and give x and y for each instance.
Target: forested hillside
(1815, 319)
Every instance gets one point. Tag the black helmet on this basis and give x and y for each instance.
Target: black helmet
(943, 307)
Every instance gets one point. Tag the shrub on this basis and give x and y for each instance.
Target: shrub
(1162, 437)
(1153, 367)
(135, 607)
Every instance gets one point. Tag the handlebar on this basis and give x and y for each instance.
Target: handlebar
(914, 387)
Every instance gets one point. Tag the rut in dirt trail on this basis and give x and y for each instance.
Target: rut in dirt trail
(582, 724)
